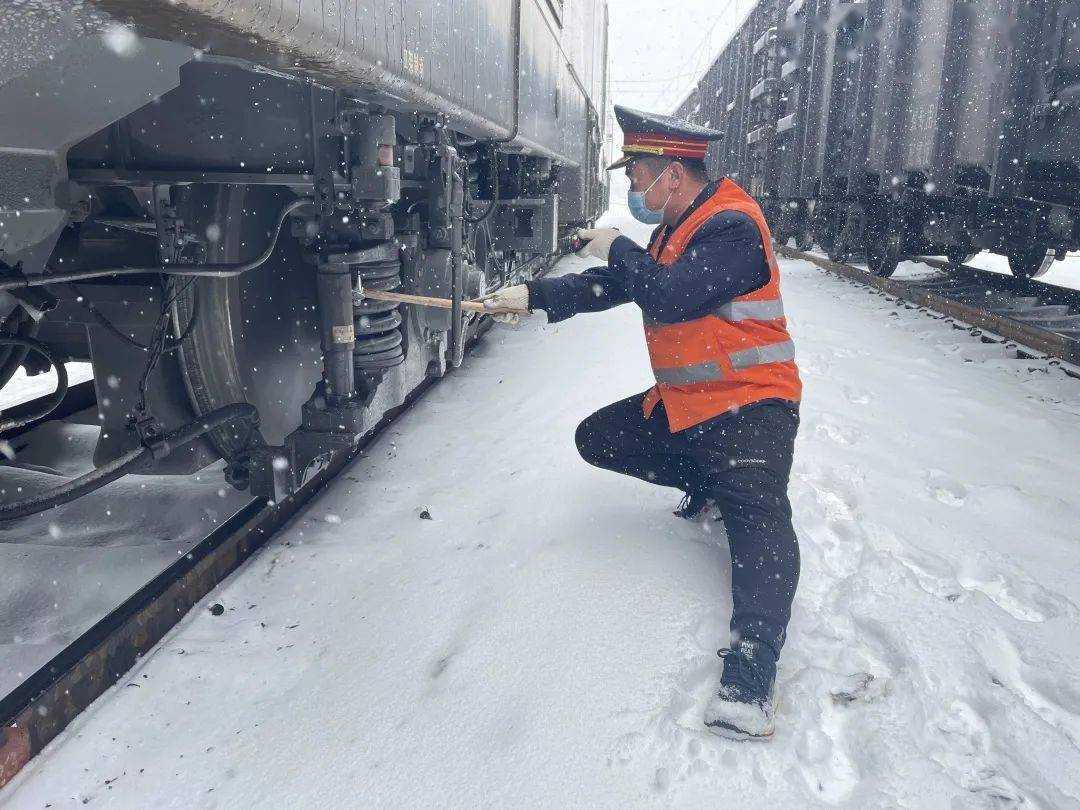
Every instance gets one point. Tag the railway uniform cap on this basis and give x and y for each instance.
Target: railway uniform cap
(649, 134)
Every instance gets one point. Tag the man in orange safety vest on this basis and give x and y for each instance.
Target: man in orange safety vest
(721, 420)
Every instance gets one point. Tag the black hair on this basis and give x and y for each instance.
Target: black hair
(694, 167)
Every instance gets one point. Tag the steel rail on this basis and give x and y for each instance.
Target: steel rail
(1037, 339)
(1009, 283)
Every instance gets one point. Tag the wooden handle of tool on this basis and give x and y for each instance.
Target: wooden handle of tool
(431, 301)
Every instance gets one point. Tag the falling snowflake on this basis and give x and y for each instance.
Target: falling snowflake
(121, 40)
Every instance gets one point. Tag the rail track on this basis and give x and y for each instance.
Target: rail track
(1037, 321)
(42, 706)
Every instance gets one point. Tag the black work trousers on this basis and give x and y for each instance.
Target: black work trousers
(741, 460)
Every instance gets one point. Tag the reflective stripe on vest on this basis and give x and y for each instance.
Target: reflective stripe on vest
(710, 370)
(760, 355)
(751, 310)
(685, 375)
(736, 311)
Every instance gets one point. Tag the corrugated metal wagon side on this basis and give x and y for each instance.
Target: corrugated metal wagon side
(908, 127)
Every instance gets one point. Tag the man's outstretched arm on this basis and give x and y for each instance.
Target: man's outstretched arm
(562, 297)
(724, 259)
(592, 290)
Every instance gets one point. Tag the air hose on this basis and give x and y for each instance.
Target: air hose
(127, 463)
(54, 399)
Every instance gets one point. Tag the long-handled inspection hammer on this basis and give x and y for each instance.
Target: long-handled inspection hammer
(442, 303)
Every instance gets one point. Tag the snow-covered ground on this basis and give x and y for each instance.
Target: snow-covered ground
(545, 635)
(21, 388)
(65, 569)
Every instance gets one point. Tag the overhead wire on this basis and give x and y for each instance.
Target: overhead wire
(702, 50)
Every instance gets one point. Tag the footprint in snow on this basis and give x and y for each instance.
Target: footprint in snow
(824, 763)
(945, 489)
(837, 434)
(857, 396)
(959, 739)
(860, 687)
(1013, 592)
(835, 490)
(815, 731)
(1044, 689)
(671, 731)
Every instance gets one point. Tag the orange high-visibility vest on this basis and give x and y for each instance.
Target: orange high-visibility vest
(739, 353)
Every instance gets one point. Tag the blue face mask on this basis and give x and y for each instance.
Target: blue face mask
(640, 211)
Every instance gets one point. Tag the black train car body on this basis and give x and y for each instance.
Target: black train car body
(439, 147)
(892, 128)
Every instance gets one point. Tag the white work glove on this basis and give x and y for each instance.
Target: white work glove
(597, 242)
(507, 306)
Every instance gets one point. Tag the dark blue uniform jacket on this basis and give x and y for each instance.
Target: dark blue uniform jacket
(724, 259)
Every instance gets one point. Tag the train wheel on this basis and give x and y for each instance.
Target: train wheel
(839, 252)
(883, 255)
(880, 264)
(826, 239)
(255, 337)
(1030, 261)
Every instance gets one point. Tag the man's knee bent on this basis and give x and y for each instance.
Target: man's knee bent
(591, 442)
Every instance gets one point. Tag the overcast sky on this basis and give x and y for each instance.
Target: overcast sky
(658, 48)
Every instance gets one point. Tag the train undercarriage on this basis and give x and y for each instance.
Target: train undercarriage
(204, 254)
(883, 230)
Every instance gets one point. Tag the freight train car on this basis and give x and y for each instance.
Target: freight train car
(196, 196)
(884, 129)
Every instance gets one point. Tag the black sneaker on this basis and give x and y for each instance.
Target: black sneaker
(743, 707)
(695, 506)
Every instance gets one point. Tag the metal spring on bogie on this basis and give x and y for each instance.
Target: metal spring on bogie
(379, 340)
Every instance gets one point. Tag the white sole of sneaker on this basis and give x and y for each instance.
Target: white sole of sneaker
(732, 733)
